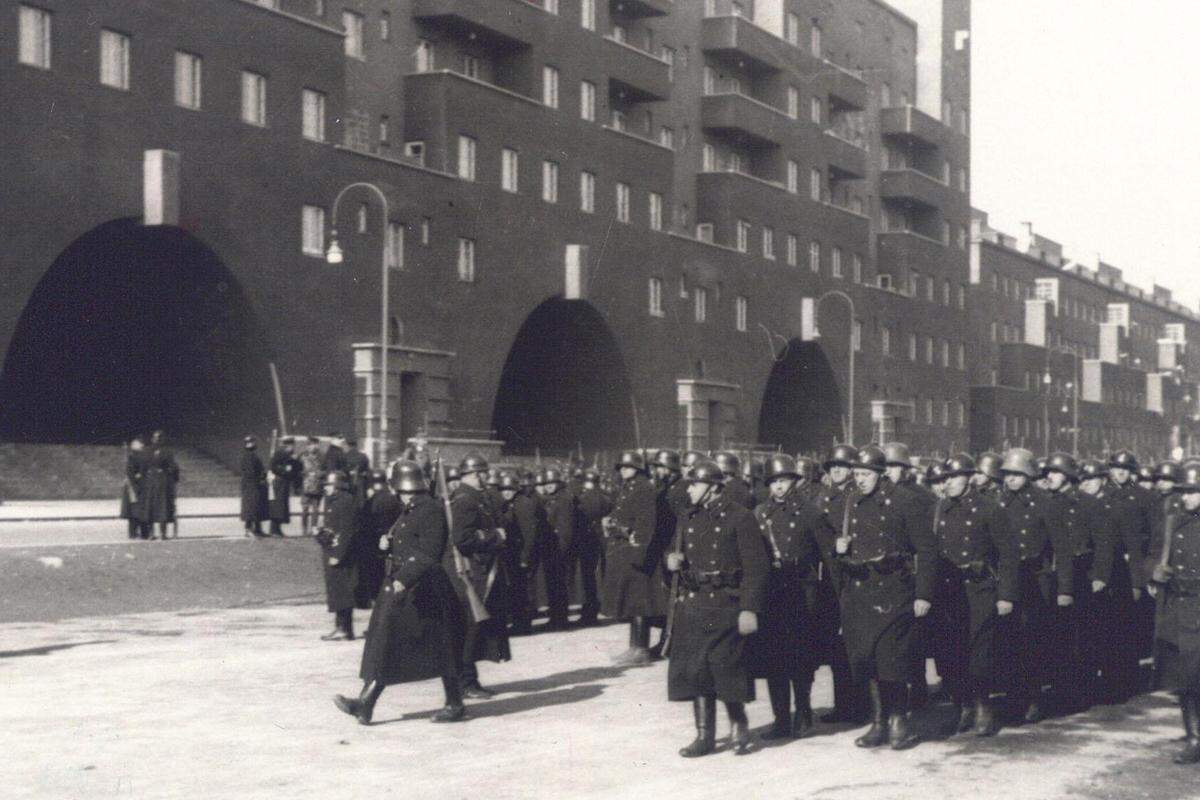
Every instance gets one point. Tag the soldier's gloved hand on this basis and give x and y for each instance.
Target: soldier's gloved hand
(397, 587)
(1152, 590)
(921, 608)
(1162, 574)
(1065, 600)
(1137, 595)
(842, 545)
(674, 562)
(385, 542)
(1098, 586)
(1004, 607)
(333, 562)
(747, 622)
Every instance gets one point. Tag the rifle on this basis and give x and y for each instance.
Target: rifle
(479, 612)
(673, 600)
(1163, 567)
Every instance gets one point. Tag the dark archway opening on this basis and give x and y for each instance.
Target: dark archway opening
(134, 328)
(802, 407)
(564, 384)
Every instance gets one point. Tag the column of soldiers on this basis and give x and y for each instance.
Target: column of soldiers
(1033, 586)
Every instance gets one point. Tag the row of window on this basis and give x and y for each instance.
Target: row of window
(925, 348)
(699, 296)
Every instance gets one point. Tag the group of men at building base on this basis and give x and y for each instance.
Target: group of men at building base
(1039, 581)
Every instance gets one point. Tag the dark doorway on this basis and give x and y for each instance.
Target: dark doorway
(564, 384)
(134, 328)
(412, 405)
(802, 407)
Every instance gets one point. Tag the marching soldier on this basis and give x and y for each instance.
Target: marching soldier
(1176, 581)
(735, 488)
(987, 474)
(783, 651)
(632, 556)
(898, 466)
(1069, 689)
(475, 557)
(253, 488)
(885, 553)
(283, 476)
(671, 498)
(380, 513)
(808, 481)
(560, 514)
(1166, 475)
(524, 522)
(1043, 581)
(338, 538)
(723, 568)
(415, 631)
(1040, 467)
(935, 474)
(1095, 542)
(977, 584)
(594, 506)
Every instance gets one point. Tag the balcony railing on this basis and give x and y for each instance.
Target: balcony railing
(741, 117)
(738, 38)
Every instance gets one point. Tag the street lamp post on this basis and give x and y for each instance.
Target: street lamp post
(334, 256)
(850, 382)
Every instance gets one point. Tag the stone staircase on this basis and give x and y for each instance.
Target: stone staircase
(96, 472)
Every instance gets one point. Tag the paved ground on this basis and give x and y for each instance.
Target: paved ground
(236, 703)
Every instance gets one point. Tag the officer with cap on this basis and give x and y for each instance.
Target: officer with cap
(722, 565)
(524, 521)
(416, 630)
(977, 584)
(338, 538)
(1095, 542)
(1043, 581)
(632, 557)
(886, 562)
(594, 505)
(480, 540)
(253, 488)
(735, 488)
(987, 476)
(560, 513)
(1175, 575)
(783, 651)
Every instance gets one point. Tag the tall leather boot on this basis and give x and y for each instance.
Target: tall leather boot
(780, 692)
(704, 710)
(362, 708)
(1189, 704)
(638, 653)
(802, 722)
(985, 715)
(877, 734)
(901, 735)
(454, 710)
(739, 736)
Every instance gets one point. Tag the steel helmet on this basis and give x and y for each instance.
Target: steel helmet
(1092, 468)
(1145, 474)
(842, 455)
(1169, 471)
(728, 462)
(807, 468)
(549, 475)
(872, 458)
(472, 462)
(935, 473)
(958, 464)
(378, 477)
(591, 476)
(707, 471)
(989, 465)
(493, 477)
(1020, 461)
(631, 458)
(896, 454)
(1124, 459)
(669, 459)
(780, 466)
(510, 481)
(1189, 481)
(1064, 463)
(452, 474)
(691, 457)
(408, 477)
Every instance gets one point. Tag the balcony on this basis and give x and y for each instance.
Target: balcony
(507, 23)
(644, 8)
(903, 251)
(913, 188)
(636, 75)
(914, 125)
(744, 120)
(739, 40)
(846, 160)
(846, 90)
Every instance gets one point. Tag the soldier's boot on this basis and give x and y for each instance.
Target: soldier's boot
(704, 709)
(1034, 712)
(802, 722)
(638, 653)
(739, 736)
(877, 734)
(1190, 754)
(986, 723)
(966, 716)
(901, 733)
(362, 708)
(454, 710)
(780, 692)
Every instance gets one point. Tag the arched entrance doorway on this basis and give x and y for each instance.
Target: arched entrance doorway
(134, 328)
(802, 407)
(564, 384)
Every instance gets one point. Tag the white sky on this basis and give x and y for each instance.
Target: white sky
(1086, 122)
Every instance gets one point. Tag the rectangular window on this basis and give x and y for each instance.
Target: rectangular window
(792, 246)
(587, 192)
(928, 349)
(114, 59)
(622, 202)
(793, 177)
(312, 231)
(769, 243)
(668, 55)
(395, 245)
(466, 260)
(946, 233)
(742, 233)
(619, 34)
(656, 211)
(962, 415)
(313, 123)
(656, 298)
(424, 56)
(962, 237)
(856, 267)
(384, 130)
(885, 341)
(188, 79)
(701, 303)
(814, 110)
(509, 170)
(962, 180)
(814, 256)
(912, 347)
(426, 226)
(962, 297)
(835, 262)
(814, 184)
(929, 289)
(385, 26)
(708, 158)
(466, 158)
(929, 411)
(254, 98)
(791, 29)
(814, 40)
(416, 151)
(587, 101)
(550, 86)
(34, 36)
(470, 67)
(945, 293)
(740, 308)
(704, 232)
(587, 14)
(666, 137)
(793, 102)
(352, 24)
(945, 354)
(710, 81)
(946, 413)
(962, 356)
(550, 181)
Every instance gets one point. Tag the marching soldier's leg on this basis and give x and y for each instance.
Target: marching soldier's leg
(589, 562)
(739, 737)
(900, 732)
(877, 734)
(985, 715)
(1189, 704)
(704, 710)
(556, 567)
(362, 707)
(802, 723)
(453, 710)
(779, 689)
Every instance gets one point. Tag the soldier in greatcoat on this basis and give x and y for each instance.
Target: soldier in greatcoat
(133, 506)
(561, 513)
(1174, 565)
(885, 552)
(523, 518)
(977, 584)
(476, 556)
(338, 538)
(736, 489)
(784, 650)
(416, 630)
(357, 469)
(632, 557)
(987, 476)
(253, 488)
(671, 498)
(158, 487)
(722, 562)
(594, 506)
(284, 476)
(1095, 542)
(378, 516)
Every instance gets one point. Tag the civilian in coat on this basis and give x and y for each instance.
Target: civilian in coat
(253, 488)
(338, 538)
(133, 506)
(284, 478)
(161, 478)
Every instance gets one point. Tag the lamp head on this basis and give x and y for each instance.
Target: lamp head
(334, 254)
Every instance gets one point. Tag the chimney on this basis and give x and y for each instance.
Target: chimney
(1025, 237)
